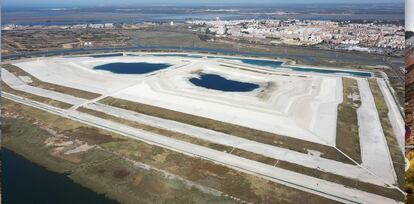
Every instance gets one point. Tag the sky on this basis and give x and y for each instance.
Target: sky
(409, 15)
(26, 3)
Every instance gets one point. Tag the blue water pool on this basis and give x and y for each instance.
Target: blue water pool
(331, 71)
(217, 82)
(264, 63)
(277, 64)
(132, 68)
(268, 63)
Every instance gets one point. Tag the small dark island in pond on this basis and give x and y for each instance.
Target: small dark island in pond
(132, 68)
(217, 82)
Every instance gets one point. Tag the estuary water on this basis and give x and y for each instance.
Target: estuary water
(25, 182)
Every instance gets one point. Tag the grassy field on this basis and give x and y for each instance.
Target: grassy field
(53, 87)
(396, 154)
(347, 134)
(177, 36)
(108, 173)
(311, 56)
(100, 170)
(256, 157)
(180, 36)
(160, 131)
(231, 129)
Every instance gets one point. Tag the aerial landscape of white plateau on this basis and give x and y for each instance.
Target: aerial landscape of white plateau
(296, 104)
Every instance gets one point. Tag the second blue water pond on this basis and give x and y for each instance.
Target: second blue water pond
(217, 82)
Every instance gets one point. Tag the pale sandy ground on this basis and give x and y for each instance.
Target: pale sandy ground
(17, 84)
(307, 160)
(304, 108)
(398, 122)
(374, 150)
(296, 180)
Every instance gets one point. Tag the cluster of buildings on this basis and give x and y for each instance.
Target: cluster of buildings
(309, 32)
(338, 35)
(75, 26)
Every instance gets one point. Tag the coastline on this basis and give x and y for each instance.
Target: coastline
(24, 170)
(71, 168)
(130, 171)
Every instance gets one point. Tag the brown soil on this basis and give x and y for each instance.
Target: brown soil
(90, 135)
(347, 133)
(157, 186)
(23, 139)
(138, 179)
(409, 89)
(409, 113)
(120, 173)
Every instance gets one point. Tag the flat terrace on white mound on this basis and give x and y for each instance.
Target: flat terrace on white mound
(298, 104)
(304, 107)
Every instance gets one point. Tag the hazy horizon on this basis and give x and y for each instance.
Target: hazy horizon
(74, 3)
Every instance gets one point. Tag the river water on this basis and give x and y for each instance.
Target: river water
(26, 182)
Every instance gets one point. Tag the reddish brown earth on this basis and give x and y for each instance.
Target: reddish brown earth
(409, 87)
(409, 109)
(121, 173)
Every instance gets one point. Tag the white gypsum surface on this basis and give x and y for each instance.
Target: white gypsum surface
(299, 181)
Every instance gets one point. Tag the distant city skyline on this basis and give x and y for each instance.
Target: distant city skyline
(25, 3)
